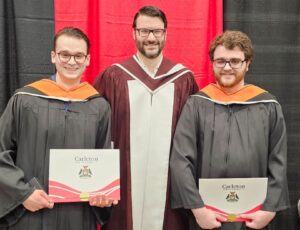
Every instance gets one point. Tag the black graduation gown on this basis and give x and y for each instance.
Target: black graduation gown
(235, 136)
(33, 122)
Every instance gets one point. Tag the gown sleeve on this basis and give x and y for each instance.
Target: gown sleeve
(184, 158)
(105, 84)
(104, 129)
(103, 142)
(277, 196)
(13, 187)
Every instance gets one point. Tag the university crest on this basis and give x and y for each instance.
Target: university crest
(85, 172)
(232, 197)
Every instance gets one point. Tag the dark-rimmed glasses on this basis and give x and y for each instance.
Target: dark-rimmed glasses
(234, 63)
(143, 32)
(65, 57)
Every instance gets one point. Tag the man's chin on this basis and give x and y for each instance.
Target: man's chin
(151, 55)
(72, 75)
(226, 84)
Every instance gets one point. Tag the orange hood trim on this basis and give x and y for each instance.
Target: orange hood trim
(245, 94)
(50, 88)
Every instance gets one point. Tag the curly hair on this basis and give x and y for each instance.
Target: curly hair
(231, 39)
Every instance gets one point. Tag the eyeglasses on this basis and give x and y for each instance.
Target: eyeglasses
(65, 57)
(143, 32)
(234, 63)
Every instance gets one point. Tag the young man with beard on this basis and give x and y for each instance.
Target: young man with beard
(56, 113)
(229, 129)
(146, 93)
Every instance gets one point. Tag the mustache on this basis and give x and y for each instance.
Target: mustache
(227, 72)
(151, 43)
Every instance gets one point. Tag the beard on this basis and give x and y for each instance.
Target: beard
(228, 82)
(142, 45)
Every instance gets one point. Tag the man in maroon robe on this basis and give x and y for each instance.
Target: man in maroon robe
(146, 93)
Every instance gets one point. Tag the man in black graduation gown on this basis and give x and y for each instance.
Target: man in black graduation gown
(56, 113)
(229, 129)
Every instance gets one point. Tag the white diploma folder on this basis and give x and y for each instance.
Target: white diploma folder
(77, 174)
(232, 196)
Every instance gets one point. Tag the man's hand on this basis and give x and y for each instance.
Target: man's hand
(207, 219)
(38, 200)
(259, 219)
(101, 201)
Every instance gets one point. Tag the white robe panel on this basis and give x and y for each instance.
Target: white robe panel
(151, 115)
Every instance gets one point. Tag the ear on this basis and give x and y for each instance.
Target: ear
(133, 34)
(88, 58)
(248, 65)
(53, 57)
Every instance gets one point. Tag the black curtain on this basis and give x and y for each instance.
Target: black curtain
(274, 27)
(26, 32)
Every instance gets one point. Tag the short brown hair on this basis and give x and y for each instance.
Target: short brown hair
(72, 32)
(231, 39)
(151, 11)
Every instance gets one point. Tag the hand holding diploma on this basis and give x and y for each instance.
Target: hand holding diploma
(39, 199)
(208, 219)
(101, 201)
(258, 219)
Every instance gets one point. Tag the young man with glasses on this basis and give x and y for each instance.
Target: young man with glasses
(146, 93)
(56, 113)
(229, 129)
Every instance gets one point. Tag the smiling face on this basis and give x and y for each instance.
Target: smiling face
(228, 77)
(69, 72)
(149, 46)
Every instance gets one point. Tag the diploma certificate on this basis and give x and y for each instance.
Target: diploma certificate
(76, 174)
(232, 196)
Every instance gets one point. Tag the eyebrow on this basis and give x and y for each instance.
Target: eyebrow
(66, 51)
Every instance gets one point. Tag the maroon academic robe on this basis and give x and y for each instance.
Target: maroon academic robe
(145, 111)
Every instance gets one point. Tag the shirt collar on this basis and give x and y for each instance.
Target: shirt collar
(145, 68)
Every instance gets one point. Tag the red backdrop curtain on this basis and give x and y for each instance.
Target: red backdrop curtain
(191, 26)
